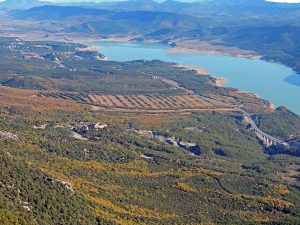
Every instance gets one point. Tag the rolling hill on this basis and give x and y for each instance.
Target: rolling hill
(255, 25)
(97, 145)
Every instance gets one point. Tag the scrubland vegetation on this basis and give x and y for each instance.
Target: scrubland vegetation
(63, 163)
(111, 183)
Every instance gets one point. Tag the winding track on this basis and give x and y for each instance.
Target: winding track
(269, 139)
(259, 131)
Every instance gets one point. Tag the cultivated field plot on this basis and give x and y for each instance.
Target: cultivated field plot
(65, 96)
(153, 102)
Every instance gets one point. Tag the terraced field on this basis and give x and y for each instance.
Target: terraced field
(65, 96)
(142, 103)
(154, 102)
(129, 160)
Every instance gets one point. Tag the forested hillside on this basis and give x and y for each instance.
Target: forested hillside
(86, 140)
(70, 153)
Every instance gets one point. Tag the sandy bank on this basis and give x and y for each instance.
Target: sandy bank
(92, 48)
(180, 50)
(198, 69)
(191, 46)
(220, 81)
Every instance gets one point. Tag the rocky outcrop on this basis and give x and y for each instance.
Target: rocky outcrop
(10, 136)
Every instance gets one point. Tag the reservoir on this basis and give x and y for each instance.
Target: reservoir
(271, 81)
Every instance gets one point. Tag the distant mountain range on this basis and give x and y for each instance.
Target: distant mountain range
(195, 8)
(52, 12)
(20, 4)
(270, 29)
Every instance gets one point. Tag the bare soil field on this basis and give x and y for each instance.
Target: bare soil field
(152, 102)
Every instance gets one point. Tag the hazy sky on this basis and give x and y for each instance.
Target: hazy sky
(289, 1)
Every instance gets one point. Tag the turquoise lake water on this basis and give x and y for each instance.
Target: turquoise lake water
(272, 81)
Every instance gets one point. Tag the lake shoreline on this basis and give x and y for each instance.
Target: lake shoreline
(180, 50)
(192, 46)
(218, 81)
(222, 71)
(204, 48)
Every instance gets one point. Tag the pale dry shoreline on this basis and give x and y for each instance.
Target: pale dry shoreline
(180, 50)
(191, 46)
(92, 48)
(198, 69)
(219, 81)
